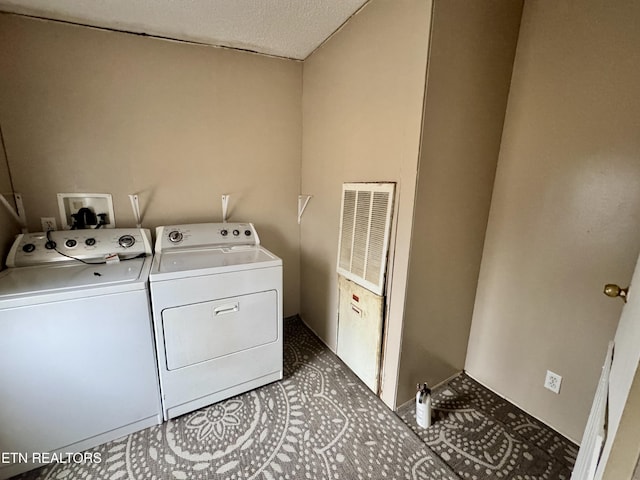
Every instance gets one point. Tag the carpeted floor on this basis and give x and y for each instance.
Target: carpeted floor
(480, 435)
(319, 422)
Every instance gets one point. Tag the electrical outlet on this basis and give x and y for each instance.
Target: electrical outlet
(552, 382)
(48, 224)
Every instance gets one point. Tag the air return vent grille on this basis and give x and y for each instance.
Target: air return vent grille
(364, 233)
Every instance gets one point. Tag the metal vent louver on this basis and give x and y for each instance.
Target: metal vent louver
(364, 233)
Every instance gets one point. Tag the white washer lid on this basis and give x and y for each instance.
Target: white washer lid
(40, 280)
(174, 264)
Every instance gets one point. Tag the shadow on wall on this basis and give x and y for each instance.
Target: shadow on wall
(8, 230)
(320, 272)
(8, 226)
(415, 369)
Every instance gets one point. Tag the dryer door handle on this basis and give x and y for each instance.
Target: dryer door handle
(228, 308)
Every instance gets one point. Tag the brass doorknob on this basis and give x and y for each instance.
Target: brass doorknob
(612, 290)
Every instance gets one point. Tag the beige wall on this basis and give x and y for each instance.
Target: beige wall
(8, 226)
(470, 61)
(85, 110)
(362, 107)
(565, 213)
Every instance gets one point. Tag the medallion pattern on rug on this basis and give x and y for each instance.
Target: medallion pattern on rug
(480, 435)
(319, 422)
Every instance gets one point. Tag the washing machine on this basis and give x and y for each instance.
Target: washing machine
(216, 296)
(77, 357)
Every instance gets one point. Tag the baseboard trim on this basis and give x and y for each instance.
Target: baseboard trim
(504, 397)
(314, 332)
(439, 384)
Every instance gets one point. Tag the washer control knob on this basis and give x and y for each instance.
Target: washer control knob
(126, 241)
(50, 245)
(175, 236)
(224, 232)
(28, 248)
(70, 243)
(247, 233)
(236, 233)
(90, 242)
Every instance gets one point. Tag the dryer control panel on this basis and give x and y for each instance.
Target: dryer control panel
(199, 235)
(78, 245)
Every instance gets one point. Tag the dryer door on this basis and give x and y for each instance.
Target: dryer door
(204, 331)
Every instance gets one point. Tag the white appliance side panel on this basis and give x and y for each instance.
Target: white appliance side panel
(208, 330)
(75, 369)
(360, 331)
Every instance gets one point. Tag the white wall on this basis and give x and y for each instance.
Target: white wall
(565, 212)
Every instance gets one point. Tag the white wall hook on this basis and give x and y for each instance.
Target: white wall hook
(225, 205)
(303, 200)
(18, 214)
(135, 206)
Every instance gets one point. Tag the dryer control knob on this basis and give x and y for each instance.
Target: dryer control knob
(247, 233)
(236, 233)
(90, 242)
(70, 243)
(126, 241)
(224, 232)
(175, 236)
(28, 248)
(50, 245)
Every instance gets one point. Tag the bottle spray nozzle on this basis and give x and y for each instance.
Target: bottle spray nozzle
(423, 388)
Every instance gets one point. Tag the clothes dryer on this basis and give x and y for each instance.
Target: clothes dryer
(216, 297)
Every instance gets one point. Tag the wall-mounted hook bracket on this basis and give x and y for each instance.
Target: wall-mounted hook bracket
(18, 214)
(225, 206)
(303, 200)
(135, 206)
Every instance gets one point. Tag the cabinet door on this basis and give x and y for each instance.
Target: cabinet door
(360, 331)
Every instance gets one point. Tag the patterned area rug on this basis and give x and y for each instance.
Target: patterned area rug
(480, 435)
(319, 422)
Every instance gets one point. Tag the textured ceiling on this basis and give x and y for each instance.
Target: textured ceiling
(286, 28)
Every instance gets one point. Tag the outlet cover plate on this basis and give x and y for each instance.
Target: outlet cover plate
(48, 224)
(552, 382)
